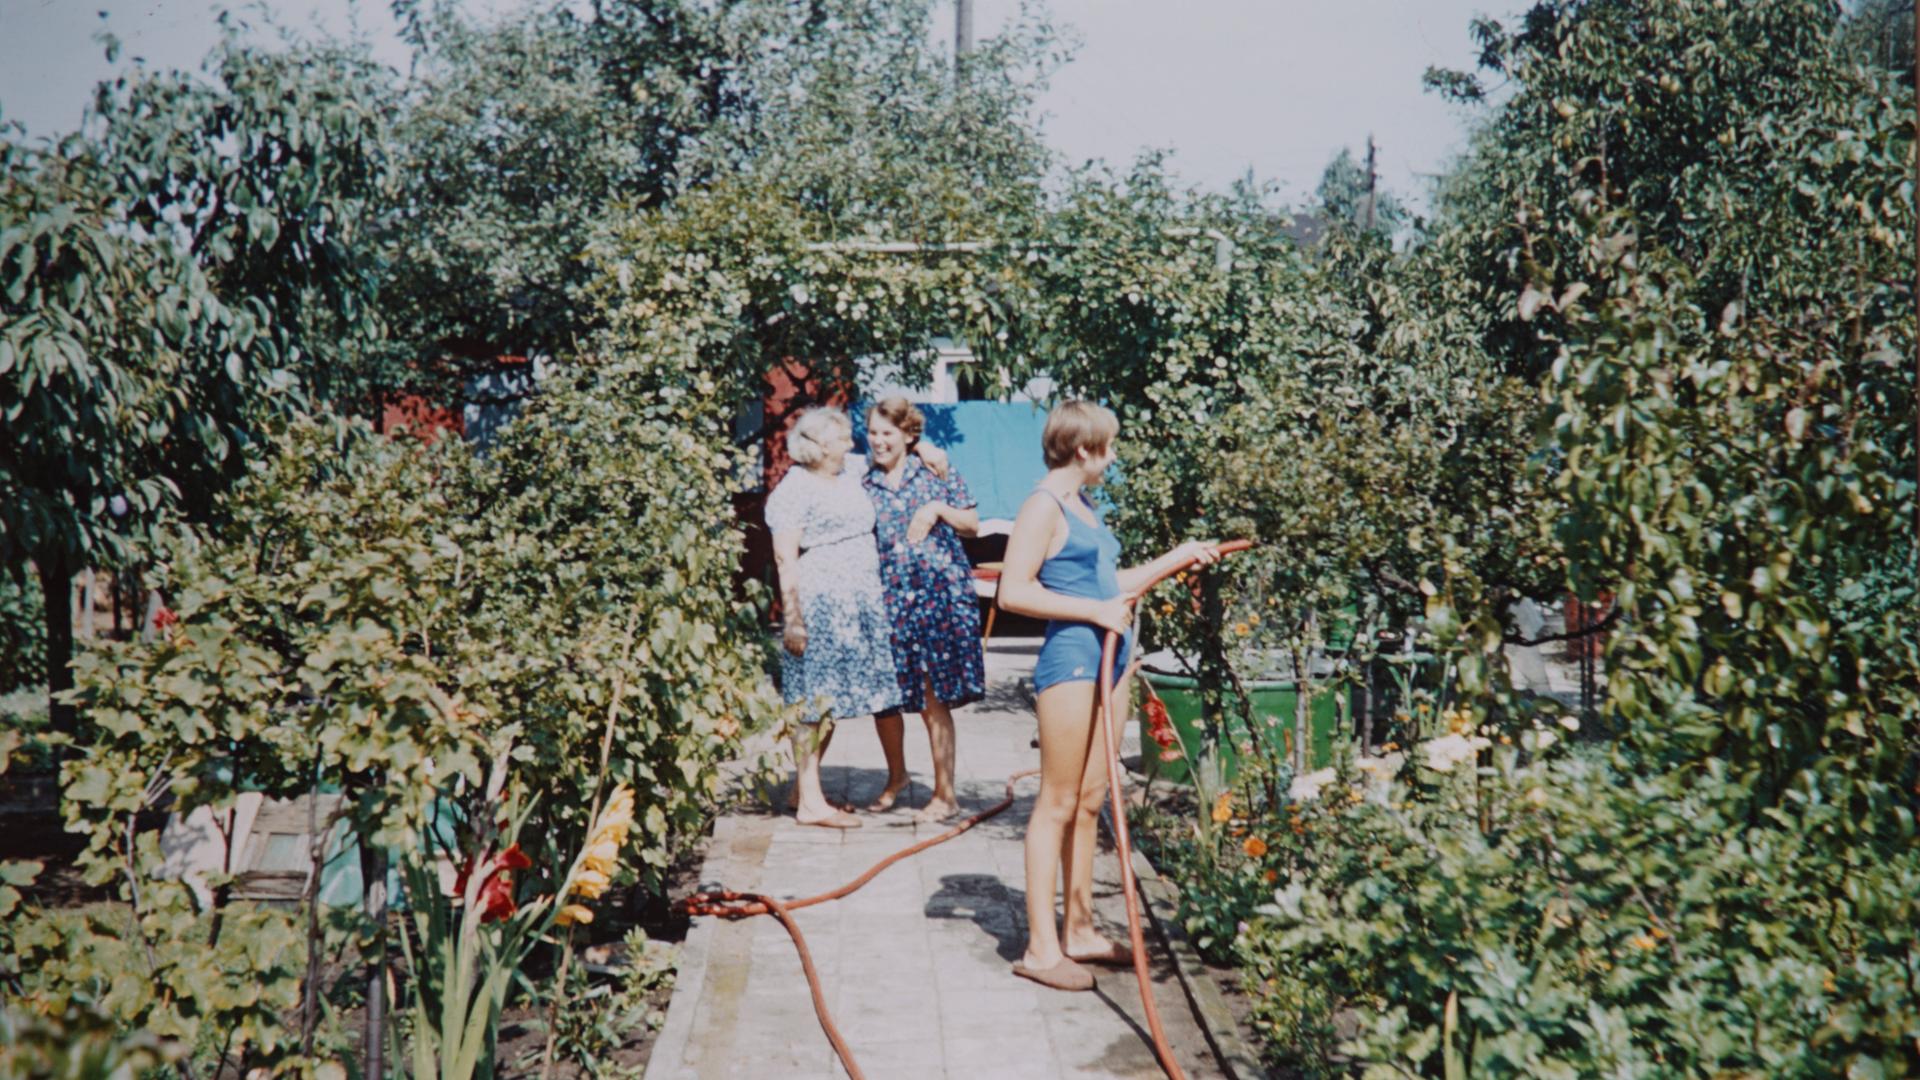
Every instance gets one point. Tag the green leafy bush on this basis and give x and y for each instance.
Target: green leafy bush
(1564, 917)
(23, 632)
(369, 617)
(1692, 211)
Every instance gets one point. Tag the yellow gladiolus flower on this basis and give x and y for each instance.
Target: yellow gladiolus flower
(590, 884)
(616, 819)
(601, 857)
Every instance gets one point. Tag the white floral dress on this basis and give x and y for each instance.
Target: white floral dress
(848, 662)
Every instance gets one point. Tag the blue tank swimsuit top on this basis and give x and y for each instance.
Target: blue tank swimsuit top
(1087, 567)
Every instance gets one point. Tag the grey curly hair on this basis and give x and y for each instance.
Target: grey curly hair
(806, 442)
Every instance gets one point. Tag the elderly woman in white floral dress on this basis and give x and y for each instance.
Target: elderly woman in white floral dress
(838, 651)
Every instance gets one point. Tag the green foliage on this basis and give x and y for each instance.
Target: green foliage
(267, 167)
(312, 640)
(526, 139)
(188, 263)
(366, 613)
(1349, 199)
(1602, 925)
(1685, 226)
(76, 1046)
(1717, 284)
(23, 634)
(114, 356)
(1880, 33)
(608, 1011)
(514, 145)
(1222, 852)
(207, 985)
(611, 540)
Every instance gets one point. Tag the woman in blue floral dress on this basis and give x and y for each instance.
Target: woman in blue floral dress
(920, 518)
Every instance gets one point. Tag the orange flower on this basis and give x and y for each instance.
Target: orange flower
(1255, 846)
(1223, 809)
(1272, 876)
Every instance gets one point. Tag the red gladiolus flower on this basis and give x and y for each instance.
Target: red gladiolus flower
(496, 890)
(1159, 725)
(165, 619)
(1160, 729)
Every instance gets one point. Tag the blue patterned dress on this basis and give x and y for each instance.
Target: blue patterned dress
(929, 587)
(848, 662)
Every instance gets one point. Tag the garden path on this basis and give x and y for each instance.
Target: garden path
(915, 965)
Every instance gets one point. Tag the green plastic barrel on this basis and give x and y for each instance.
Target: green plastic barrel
(1273, 707)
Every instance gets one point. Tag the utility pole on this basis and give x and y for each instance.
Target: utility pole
(962, 33)
(1372, 180)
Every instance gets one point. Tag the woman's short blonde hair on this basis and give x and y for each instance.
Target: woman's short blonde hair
(902, 414)
(1074, 426)
(806, 441)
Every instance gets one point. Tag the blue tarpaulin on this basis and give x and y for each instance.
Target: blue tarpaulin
(995, 446)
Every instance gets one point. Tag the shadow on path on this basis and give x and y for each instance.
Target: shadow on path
(988, 903)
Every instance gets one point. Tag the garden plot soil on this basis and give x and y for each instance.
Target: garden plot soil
(522, 1030)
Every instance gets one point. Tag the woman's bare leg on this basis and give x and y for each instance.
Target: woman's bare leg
(940, 737)
(1079, 934)
(809, 745)
(1066, 730)
(892, 729)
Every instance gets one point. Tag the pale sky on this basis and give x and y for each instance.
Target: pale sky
(1275, 86)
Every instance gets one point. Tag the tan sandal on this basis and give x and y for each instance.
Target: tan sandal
(1065, 975)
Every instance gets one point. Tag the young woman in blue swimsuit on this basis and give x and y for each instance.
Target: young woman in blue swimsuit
(1062, 565)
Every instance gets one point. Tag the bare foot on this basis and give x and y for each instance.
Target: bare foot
(1091, 948)
(889, 795)
(838, 819)
(936, 810)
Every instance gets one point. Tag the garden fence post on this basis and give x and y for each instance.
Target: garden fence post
(373, 872)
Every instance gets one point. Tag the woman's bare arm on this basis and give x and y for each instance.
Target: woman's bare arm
(933, 458)
(964, 519)
(786, 561)
(1135, 578)
(965, 522)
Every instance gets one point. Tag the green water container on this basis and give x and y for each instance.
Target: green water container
(1274, 702)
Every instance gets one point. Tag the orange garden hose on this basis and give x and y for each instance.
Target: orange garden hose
(1124, 841)
(740, 905)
